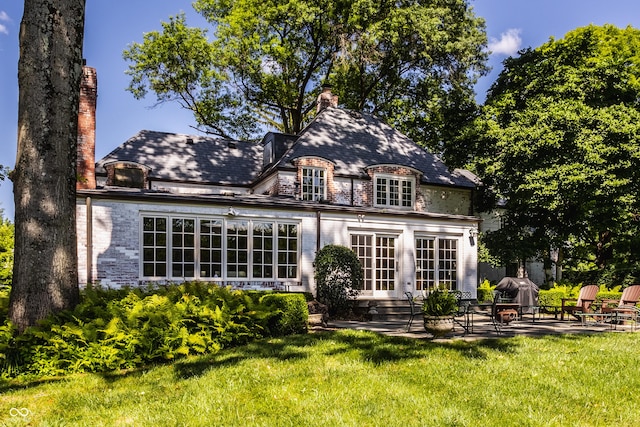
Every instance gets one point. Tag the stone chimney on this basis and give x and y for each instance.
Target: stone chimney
(326, 98)
(86, 166)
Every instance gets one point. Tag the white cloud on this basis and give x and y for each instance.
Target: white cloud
(508, 44)
(4, 17)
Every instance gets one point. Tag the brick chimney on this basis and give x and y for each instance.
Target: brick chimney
(326, 98)
(86, 165)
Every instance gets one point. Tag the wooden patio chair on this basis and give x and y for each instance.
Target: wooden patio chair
(625, 308)
(586, 298)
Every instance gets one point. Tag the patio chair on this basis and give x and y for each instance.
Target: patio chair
(503, 311)
(586, 298)
(464, 315)
(624, 308)
(415, 309)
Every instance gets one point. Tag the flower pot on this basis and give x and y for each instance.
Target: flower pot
(317, 319)
(438, 326)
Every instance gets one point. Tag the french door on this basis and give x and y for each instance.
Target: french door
(436, 263)
(378, 255)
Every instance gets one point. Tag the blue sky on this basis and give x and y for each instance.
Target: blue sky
(112, 25)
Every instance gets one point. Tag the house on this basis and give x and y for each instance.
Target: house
(166, 207)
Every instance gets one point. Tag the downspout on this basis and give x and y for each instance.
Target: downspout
(318, 220)
(352, 193)
(89, 240)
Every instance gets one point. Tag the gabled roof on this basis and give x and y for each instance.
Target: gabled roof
(352, 141)
(190, 158)
(355, 141)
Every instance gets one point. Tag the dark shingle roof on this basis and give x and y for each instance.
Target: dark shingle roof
(172, 157)
(354, 141)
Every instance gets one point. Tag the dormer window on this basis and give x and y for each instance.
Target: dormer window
(394, 191)
(127, 174)
(314, 184)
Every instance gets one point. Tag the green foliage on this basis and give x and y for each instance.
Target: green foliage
(6, 251)
(339, 277)
(557, 142)
(290, 313)
(440, 302)
(127, 328)
(485, 291)
(412, 64)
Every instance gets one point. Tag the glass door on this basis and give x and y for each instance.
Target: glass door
(377, 254)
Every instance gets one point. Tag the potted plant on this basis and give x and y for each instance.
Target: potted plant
(438, 309)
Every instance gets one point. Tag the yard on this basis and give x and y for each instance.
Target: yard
(353, 378)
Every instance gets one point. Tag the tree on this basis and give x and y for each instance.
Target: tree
(49, 70)
(557, 140)
(412, 63)
(339, 278)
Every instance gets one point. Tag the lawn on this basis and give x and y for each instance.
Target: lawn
(351, 378)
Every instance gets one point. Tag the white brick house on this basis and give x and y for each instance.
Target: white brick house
(169, 207)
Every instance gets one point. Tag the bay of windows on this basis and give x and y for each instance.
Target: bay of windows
(210, 248)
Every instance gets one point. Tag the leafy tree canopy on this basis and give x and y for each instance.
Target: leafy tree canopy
(557, 140)
(412, 63)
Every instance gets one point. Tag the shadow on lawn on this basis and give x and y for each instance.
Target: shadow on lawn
(371, 347)
(374, 348)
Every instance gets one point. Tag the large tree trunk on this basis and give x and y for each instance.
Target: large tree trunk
(45, 276)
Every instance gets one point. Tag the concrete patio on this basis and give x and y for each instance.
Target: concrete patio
(483, 327)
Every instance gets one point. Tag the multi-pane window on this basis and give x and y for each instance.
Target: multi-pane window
(394, 191)
(436, 263)
(183, 247)
(362, 245)
(377, 256)
(209, 248)
(287, 251)
(237, 245)
(385, 263)
(313, 184)
(154, 242)
(262, 249)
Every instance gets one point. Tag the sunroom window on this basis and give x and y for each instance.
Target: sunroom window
(217, 248)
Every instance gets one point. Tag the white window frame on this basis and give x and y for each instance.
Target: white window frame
(314, 183)
(435, 264)
(394, 191)
(280, 251)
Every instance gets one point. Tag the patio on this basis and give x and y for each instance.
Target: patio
(483, 327)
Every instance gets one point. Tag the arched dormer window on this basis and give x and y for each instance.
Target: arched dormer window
(127, 174)
(314, 184)
(394, 186)
(315, 179)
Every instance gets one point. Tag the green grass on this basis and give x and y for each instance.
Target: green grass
(350, 378)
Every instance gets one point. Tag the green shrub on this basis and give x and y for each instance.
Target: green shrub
(485, 291)
(339, 277)
(440, 302)
(289, 313)
(116, 329)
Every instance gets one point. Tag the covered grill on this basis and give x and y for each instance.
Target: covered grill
(522, 290)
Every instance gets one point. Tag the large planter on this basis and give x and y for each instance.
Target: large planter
(438, 326)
